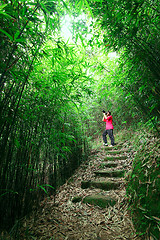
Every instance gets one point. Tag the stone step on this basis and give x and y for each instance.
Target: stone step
(116, 152)
(109, 164)
(98, 200)
(113, 158)
(110, 173)
(107, 185)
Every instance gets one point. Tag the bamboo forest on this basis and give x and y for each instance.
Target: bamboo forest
(66, 68)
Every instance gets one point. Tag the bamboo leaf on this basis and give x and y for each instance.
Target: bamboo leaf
(43, 189)
(81, 38)
(90, 10)
(49, 186)
(80, 3)
(2, 12)
(65, 5)
(16, 34)
(5, 14)
(19, 40)
(8, 191)
(3, 6)
(7, 34)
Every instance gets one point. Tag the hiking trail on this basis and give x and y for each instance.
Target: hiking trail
(91, 205)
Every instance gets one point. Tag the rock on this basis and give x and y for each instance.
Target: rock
(76, 199)
(113, 158)
(115, 152)
(110, 173)
(109, 164)
(100, 200)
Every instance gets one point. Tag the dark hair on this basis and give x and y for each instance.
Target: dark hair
(109, 112)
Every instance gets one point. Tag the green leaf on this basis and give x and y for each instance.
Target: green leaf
(16, 35)
(17, 143)
(65, 5)
(90, 10)
(3, 6)
(43, 189)
(8, 191)
(133, 176)
(2, 12)
(80, 6)
(81, 38)
(5, 14)
(20, 40)
(49, 186)
(45, 185)
(7, 34)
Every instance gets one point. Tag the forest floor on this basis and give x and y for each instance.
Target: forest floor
(66, 220)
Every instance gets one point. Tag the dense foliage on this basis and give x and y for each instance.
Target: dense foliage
(42, 137)
(132, 28)
(143, 185)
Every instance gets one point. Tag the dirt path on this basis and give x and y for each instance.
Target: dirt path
(66, 220)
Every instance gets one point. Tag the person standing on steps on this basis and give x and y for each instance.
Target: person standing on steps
(109, 128)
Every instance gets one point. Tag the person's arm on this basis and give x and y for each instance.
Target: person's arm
(104, 117)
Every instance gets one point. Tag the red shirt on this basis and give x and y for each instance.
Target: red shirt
(108, 122)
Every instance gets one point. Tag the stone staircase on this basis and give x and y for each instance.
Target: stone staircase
(109, 177)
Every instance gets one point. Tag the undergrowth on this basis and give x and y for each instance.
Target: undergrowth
(143, 184)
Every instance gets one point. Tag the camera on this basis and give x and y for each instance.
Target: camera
(103, 111)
